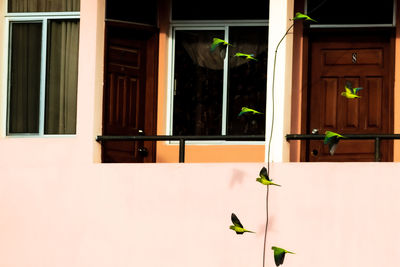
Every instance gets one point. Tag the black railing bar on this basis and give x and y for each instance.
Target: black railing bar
(181, 150)
(348, 136)
(377, 149)
(180, 137)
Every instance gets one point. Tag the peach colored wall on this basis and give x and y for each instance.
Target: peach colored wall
(330, 214)
(195, 153)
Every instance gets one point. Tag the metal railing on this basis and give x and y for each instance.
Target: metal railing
(181, 138)
(376, 137)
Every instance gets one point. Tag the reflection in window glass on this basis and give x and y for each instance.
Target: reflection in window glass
(247, 80)
(198, 83)
(26, 41)
(62, 77)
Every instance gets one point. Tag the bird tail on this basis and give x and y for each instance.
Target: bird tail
(275, 184)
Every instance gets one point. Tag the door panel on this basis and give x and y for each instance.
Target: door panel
(127, 104)
(364, 61)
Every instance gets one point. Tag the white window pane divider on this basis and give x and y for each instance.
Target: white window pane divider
(43, 77)
(225, 85)
(8, 62)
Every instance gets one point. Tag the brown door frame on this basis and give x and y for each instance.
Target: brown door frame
(152, 44)
(362, 37)
(301, 76)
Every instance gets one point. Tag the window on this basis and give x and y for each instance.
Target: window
(356, 12)
(43, 66)
(208, 89)
(144, 12)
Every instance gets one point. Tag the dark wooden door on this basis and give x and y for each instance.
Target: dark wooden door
(129, 106)
(365, 61)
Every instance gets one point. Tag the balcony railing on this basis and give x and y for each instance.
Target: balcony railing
(376, 137)
(182, 139)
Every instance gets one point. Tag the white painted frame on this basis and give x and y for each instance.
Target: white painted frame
(33, 17)
(222, 25)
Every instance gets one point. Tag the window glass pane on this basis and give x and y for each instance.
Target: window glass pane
(62, 77)
(219, 10)
(43, 5)
(198, 83)
(351, 12)
(247, 80)
(26, 39)
(133, 11)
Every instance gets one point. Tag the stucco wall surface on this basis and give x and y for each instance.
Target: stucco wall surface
(329, 214)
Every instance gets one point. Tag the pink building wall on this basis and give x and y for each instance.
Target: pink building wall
(59, 207)
(330, 214)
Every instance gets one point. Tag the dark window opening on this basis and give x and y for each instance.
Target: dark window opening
(144, 12)
(351, 12)
(199, 83)
(220, 10)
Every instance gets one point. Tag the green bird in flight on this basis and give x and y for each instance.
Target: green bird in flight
(218, 42)
(248, 110)
(237, 226)
(332, 139)
(351, 92)
(264, 178)
(302, 16)
(279, 255)
(247, 56)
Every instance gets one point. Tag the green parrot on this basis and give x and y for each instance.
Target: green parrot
(264, 178)
(248, 110)
(279, 255)
(302, 16)
(351, 92)
(217, 42)
(332, 139)
(237, 226)
(247, 56)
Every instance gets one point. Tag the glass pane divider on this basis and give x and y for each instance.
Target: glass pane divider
(171, 83)
(9, 54)
(43, 78)
(225, 85)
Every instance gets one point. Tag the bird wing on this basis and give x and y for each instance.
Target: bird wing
(240, 55)
(216, 43)
(264, 173)
(332, 148)
(348, 88)
(355, 90)
(235, 220)
(279, 257)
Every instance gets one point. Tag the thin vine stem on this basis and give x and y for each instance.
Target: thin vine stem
(270, 139)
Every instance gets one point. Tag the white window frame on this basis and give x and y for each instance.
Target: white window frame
(33, 17)
(221, 25)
